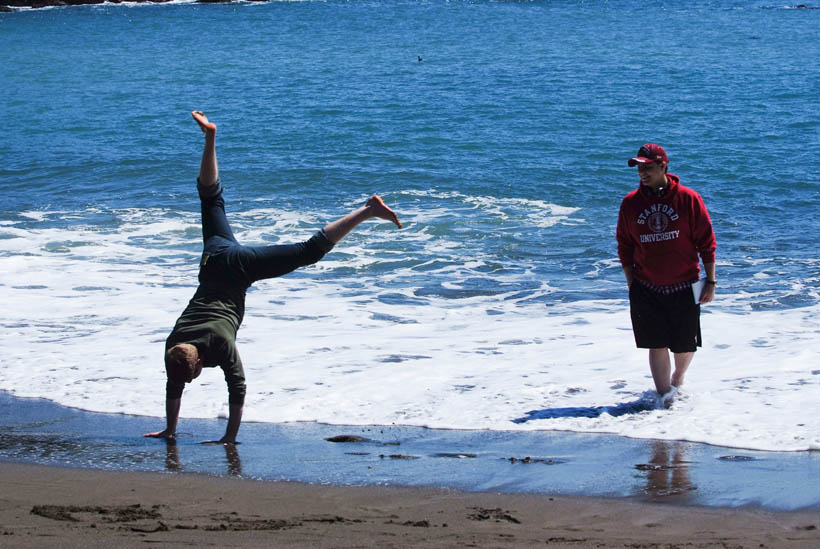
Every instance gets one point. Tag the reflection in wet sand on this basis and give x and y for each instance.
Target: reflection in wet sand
(232, 459)
(172, 455)
(667, 473)
(234, 463)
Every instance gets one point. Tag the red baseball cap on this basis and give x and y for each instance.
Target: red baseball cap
(649, 153)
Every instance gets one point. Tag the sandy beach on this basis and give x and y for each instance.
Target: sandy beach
(73, 478)
(63, 507)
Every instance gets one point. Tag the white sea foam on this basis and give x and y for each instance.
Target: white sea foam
(86, 311)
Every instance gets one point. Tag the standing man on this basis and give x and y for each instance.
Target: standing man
(664, 231)
(205, 333)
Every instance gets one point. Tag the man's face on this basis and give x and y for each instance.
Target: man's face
(197, 370)
(652, 174)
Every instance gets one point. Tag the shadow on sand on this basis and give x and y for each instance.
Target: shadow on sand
(647, 402)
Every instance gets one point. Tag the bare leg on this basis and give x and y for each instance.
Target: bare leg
(375, 207)
(208, 169)
(661, 369)
(682, 362)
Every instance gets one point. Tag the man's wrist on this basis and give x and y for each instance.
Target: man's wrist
(711, 281)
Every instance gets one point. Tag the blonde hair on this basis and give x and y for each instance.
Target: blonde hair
(180, 362)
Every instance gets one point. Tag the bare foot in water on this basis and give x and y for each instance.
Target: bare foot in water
(381, 210)
(204, 124)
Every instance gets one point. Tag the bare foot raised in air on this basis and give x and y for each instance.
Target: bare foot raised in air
(379, 209)
(204, 124)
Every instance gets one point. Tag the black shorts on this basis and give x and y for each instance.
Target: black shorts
(664, 321)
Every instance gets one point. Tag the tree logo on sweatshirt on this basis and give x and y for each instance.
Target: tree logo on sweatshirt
(658, 222)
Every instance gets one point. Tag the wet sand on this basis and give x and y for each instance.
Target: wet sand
(40, 432)
(62, 507)
(75, 478)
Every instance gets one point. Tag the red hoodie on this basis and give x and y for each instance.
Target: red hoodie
(661, 237)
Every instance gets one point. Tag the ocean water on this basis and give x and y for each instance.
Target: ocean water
(501, 305)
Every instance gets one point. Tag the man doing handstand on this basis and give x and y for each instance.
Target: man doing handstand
(205, 333)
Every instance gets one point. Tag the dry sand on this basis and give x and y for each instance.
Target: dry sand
(60, 507)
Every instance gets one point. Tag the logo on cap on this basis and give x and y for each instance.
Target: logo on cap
(646, 152)
(649, 153)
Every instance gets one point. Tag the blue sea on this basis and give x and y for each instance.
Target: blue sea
(499, 132)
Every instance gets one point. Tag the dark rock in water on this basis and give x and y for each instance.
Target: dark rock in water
(348, 438)
(650, 467)
(457, 455)
(52, 3)
(737, 458)
(528, 459)
(659, 467)
(33, 3)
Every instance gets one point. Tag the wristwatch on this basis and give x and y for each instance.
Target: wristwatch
(712, 282)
